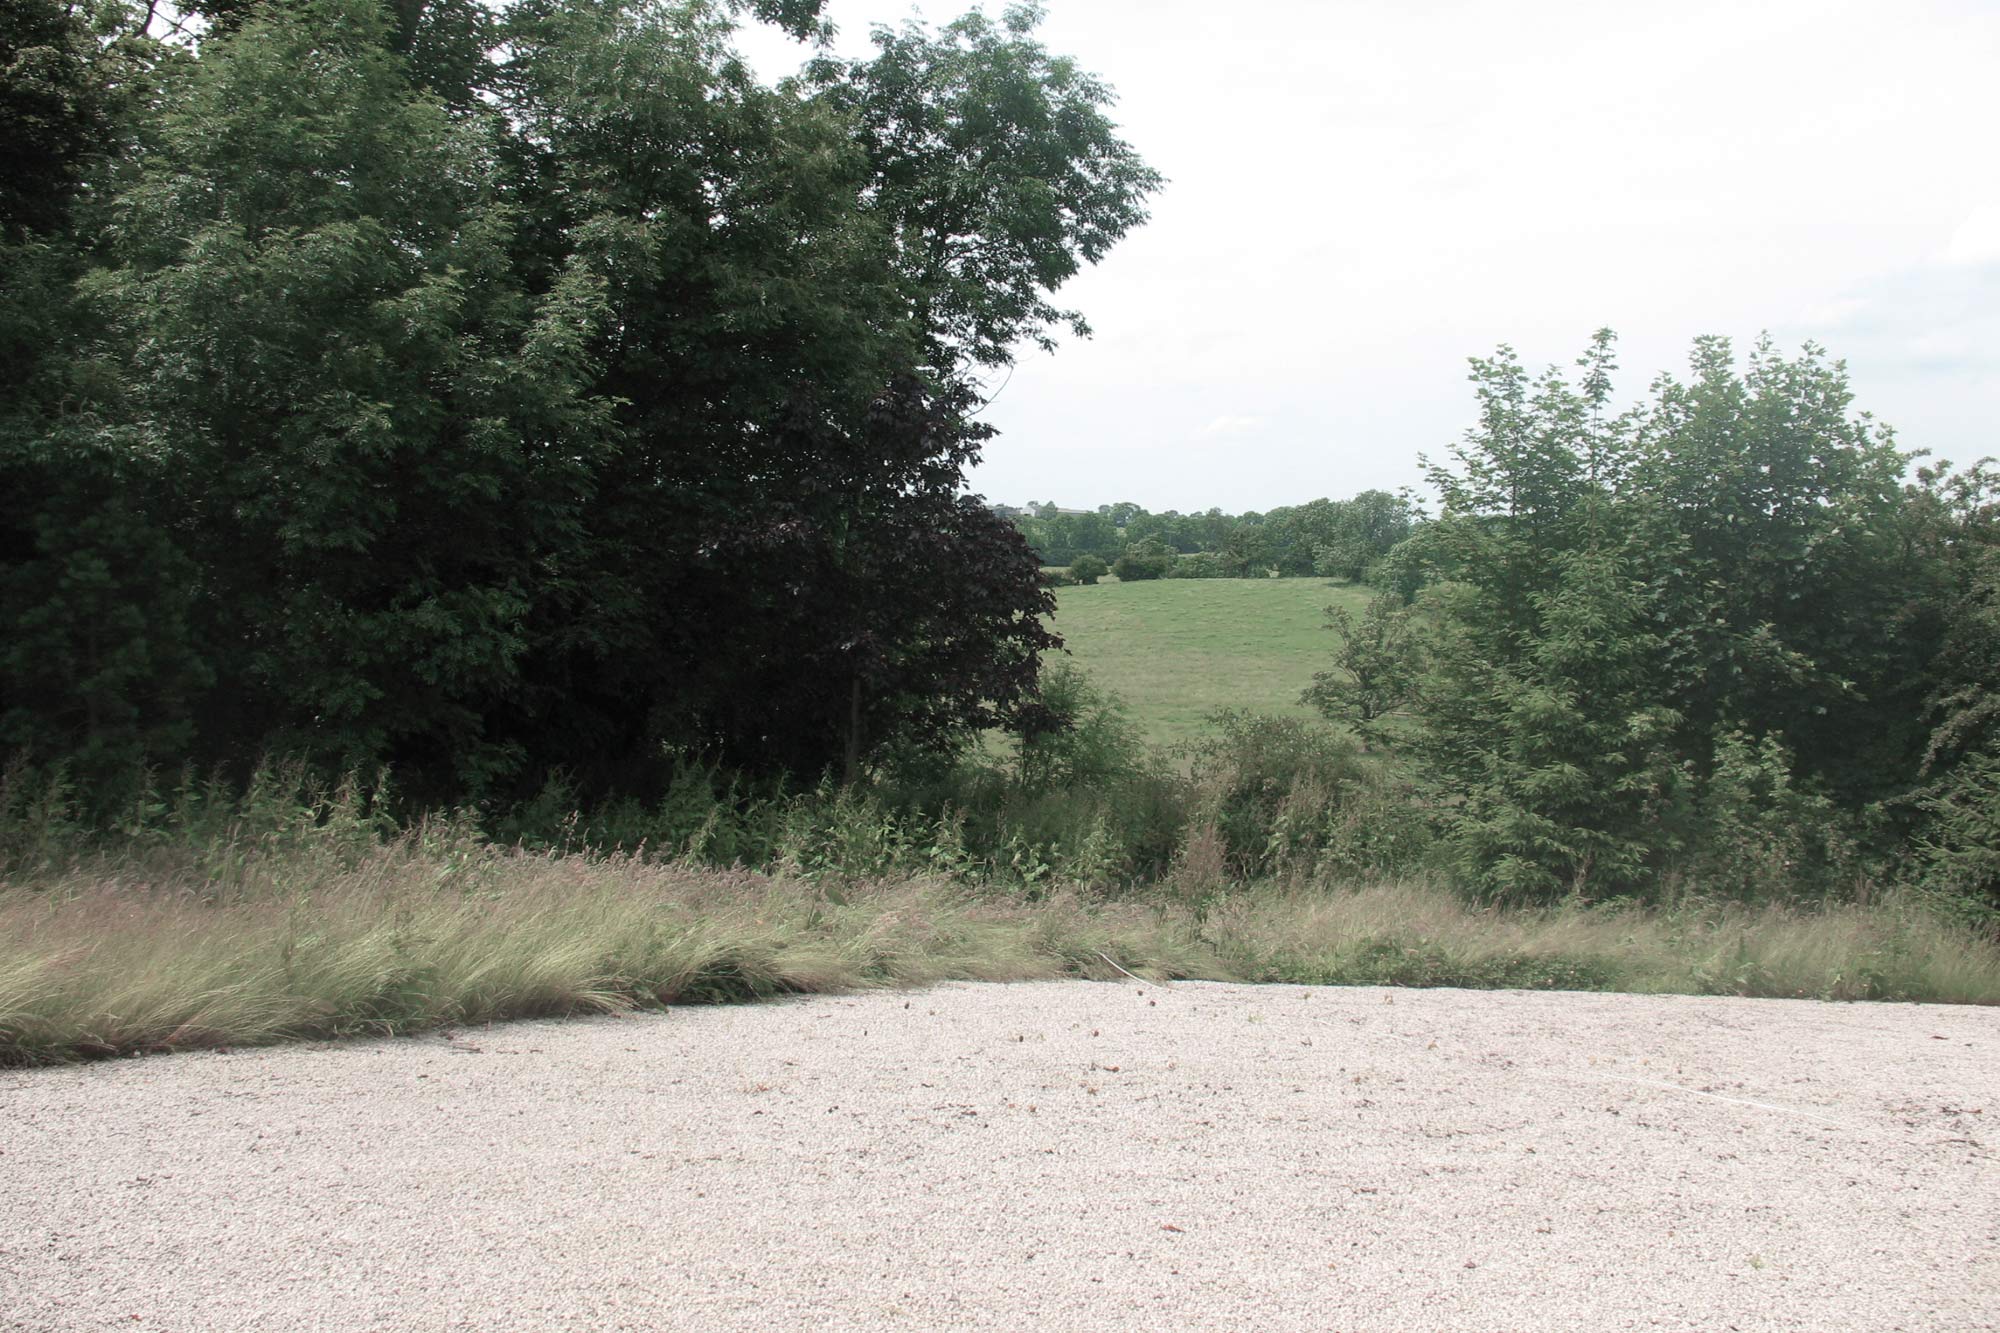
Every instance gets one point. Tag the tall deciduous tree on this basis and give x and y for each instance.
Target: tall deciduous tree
(97, 665)
(1624, 597)
(381, 441)
(1957, 844)
(998, 173)
(1779, 531)
(1558, 740)
(491, 391)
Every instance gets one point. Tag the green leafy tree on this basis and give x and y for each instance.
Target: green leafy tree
(1144, 560)
(1081, 735)
(1143, 526)
(1964, 533)
(1293, 531)
(97, 664)
(1359, 532)
(1562, 753)
(1757, 830)
(997, 172)
(754, 537)
(1781, 543)
(1249, 552)
(1957, 841)
(1631, 603)
(376, 438)
(54, 104)
(495, 391)
(1200, 565)
(1376, 668)
(1087, 569)
(491, 391)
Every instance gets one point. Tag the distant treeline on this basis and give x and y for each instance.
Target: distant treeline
(1329, 538)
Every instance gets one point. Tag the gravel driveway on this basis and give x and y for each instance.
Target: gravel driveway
(1057, 1156)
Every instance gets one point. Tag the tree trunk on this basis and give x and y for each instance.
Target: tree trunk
(852, 768)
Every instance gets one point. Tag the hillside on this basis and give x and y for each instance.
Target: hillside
(1178, 649)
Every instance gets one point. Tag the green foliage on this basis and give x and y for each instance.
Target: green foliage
(1563, 754)
(1376, 668)
(1085, 738)
(1958, 847)
(1958, 523)
(97, 609)
(1087, 569)
(1143, 560)
(1692, 638)
(1781, 541)
(495, 392)
(1331, 538)
(996, 172)
(1956, 841)
(527, 398)
(214, 912)
(1064, 539)
(1361, 532)
(60, 65)
(1200, 565)
(317, 327)
(203, 826)
(1289, 797)
(1759, 833)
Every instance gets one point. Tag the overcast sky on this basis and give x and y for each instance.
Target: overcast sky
(1361, 195)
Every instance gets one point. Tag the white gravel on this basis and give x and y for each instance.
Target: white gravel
(1059, 1156)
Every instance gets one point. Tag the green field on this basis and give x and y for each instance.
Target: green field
(1176, 650)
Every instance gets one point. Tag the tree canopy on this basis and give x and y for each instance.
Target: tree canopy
(491, 390)
(1729, 617)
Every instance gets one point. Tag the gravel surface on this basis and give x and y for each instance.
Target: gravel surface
(1058, 1156)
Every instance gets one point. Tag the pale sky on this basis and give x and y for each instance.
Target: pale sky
(1363, 194)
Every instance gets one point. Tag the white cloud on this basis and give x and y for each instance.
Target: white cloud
(1834, 314)
(1358, 203)
(1232, 427)
(1977, 240)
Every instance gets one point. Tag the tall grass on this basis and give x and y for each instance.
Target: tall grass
(1417, 934)
(437, 927)
(207, 914)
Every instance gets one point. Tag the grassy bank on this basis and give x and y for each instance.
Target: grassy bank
(1177, 650)
(435, 928)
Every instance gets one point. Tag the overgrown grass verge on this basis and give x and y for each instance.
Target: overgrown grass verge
(436, 928)
(422, 933)
(1419, 935)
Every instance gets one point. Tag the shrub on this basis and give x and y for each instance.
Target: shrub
(1271, 785)
(1375, 669)
(1199, 565)
(1145, 560)
(1087, 569)
(1758, 832)
(1958, 849)
(1086, 738)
